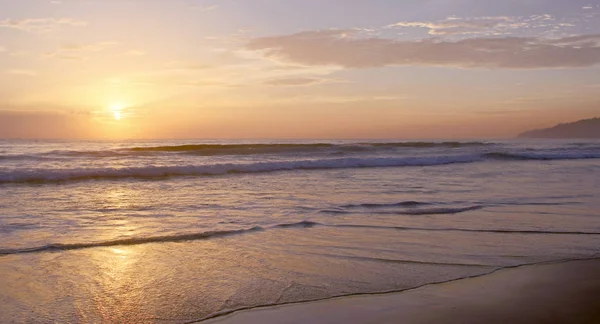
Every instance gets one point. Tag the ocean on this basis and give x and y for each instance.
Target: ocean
(181, 231)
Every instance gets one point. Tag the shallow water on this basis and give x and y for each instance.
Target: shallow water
(178, 231)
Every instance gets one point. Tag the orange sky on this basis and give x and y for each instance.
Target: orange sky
(295, 69)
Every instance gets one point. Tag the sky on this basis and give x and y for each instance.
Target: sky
(296, 69)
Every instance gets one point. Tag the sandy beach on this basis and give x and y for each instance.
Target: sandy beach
(561, 292)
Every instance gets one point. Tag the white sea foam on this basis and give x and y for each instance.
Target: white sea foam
(157, 172)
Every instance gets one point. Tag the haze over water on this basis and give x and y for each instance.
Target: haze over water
(178, 231)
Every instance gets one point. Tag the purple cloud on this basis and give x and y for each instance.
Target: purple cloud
(344, 48)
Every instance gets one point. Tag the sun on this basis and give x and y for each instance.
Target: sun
(117, 109)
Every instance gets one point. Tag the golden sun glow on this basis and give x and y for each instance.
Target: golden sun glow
(117, 109)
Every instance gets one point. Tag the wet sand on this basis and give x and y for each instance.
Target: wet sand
(561, 292)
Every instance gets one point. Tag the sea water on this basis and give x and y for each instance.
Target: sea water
(180, 231)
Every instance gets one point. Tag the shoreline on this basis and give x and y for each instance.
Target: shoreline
(563, 291)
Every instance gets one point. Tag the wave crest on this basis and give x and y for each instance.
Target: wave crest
(301, 147)
(305, 224)
(130, 241)
(161, 172)
(541, 156)
(242, 149)
(157, 172)
(409, 203)
(411, 211)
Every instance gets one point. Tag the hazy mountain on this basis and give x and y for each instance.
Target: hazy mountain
(587, 128)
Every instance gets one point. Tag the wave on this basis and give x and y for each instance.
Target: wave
(310, 224)
(431, 144)
(239, 148)
(130, 241)
(400, 261)
(496, 231)
(257, 149)
(243, 149)
(433, 211)
(412, 207)
(302, 224)
(305, 224)
(285, 147)
(412, 212)
(157, 172)
(400, 204)
(541, 156)
(19, 157)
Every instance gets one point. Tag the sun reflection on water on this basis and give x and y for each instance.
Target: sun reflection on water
(117, 295)
(120, 252)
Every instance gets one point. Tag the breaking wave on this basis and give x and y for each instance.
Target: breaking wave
(542, 156)
(157, 172)
(276, 148)
(33, 175)
(243, 149)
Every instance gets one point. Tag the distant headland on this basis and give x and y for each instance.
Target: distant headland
(586, 128)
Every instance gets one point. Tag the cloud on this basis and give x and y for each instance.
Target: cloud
(347, 49)
(93, 47)
(295, 81)
(19, 53)
(174, 80)
(42, 124)
(338, 99)
(29, 73)
(135, 53)
(453, 26)
(498, 25)
(205, 8)
(41, 25)
(186, 66)
(75, 52)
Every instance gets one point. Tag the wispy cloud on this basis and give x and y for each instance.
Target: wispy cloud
(76, 51)
(29, 73)
(135, 53)
(295, 81)
(92, 47)
(452, 26)
(185, 66)
(41, 25)
(498, 25)
(347, 49)
(25, 122)
(200, 7)
(339, 99)
(163, 78)
(301, 81)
